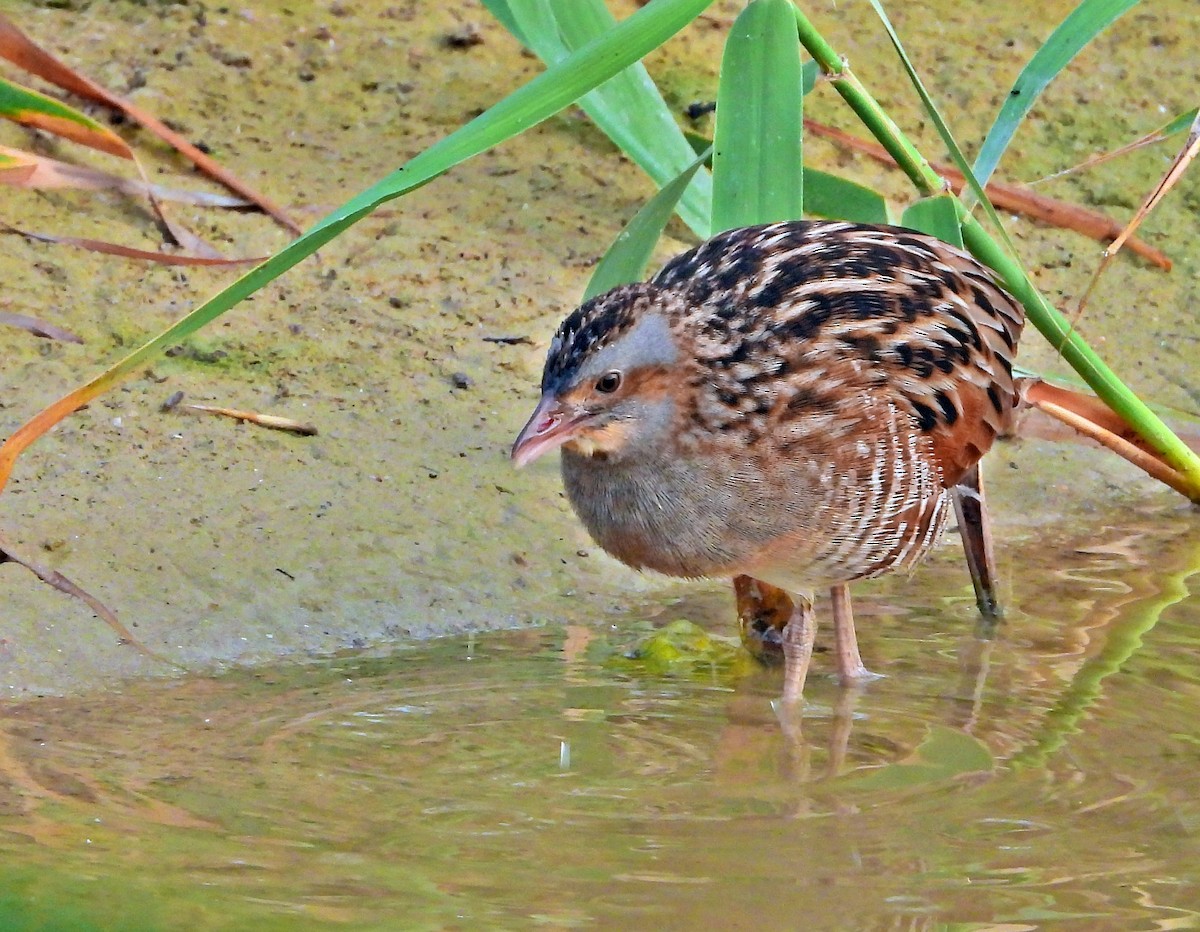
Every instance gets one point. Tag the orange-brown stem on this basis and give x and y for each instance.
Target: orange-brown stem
(1089, 416)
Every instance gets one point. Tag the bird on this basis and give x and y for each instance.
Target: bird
(790, 406)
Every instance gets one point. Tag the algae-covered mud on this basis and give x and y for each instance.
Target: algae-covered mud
(413, 343)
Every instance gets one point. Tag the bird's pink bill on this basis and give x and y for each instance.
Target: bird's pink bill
(550, 426)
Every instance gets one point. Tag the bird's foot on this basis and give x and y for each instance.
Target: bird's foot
(858, 676)
(763, 612)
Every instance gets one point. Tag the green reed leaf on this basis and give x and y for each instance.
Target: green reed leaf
(827, 195)
(937, 216)
(630, 252)
(757, 169)
(628, 108)
(1082, 25)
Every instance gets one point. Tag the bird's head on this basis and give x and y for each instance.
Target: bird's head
(608, 384)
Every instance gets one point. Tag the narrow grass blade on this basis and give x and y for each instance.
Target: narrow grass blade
(1083, 24)
(1168, 129)
(836, 198)
(1180, 164)
(1187, 155)
(628, 108)
(757, 170)
(952, 146)
(628, 256)
(542, 97)
(937, 216)
(29, 108)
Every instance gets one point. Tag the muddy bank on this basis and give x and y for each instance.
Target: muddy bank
(219, 542)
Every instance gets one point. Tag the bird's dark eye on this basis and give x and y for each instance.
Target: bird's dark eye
(609, 382)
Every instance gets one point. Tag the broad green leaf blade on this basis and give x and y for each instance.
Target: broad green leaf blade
(1083, 24)
(29, 108)
(827, 195)
(529, 105)
(757, 173)
(628, 108)
(836, 198)
(757, 169)
(937, 216)
(503, 12)
(809, 74)
(628, 256)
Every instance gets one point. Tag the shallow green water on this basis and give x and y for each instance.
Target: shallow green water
(1044, 778)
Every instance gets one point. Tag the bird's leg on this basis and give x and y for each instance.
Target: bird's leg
(798, 636)
(973, 524)
(849, 662)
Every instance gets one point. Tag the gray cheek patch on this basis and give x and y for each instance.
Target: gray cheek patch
(648, 343)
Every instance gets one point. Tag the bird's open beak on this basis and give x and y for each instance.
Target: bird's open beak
(552, 424)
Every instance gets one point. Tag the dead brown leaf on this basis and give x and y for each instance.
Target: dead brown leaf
(29, 170)
(55, 579)
(127, 252)
(39, 328)
(24, 52)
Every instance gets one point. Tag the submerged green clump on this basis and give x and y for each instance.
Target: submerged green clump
(683, 647)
